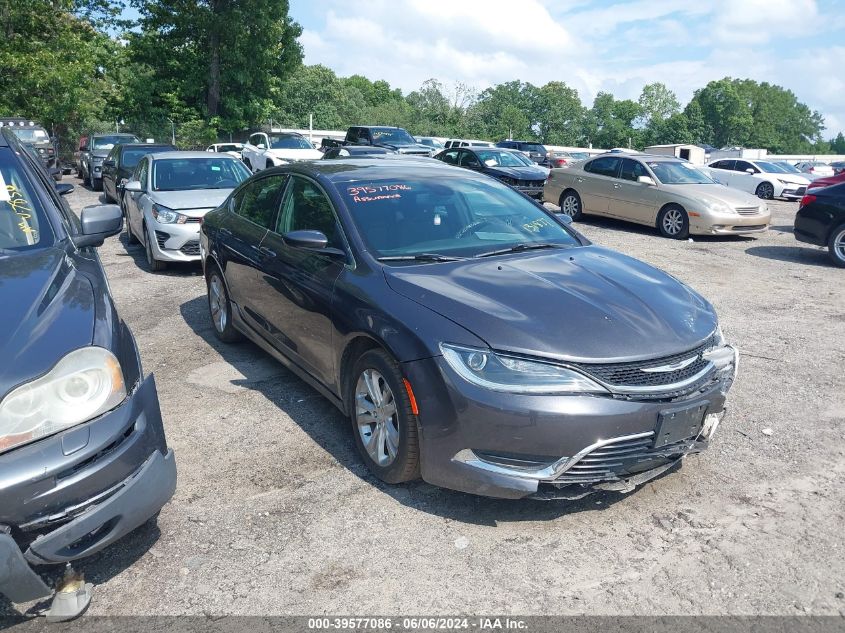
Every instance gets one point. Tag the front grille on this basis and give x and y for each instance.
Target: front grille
(801, 191)
(193, 220)
(529, 183)
(748, 210)
(621, 457)
(632, 374)
(751, 227)
(191, 248)
(161, 238)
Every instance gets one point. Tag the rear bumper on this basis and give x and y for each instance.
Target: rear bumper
(75, 493)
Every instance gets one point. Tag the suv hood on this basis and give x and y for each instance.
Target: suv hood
(191, 198)
(520, 173)
(100, 153)
(415, 148)
(296, 154)
(585, 304)
(47, 310)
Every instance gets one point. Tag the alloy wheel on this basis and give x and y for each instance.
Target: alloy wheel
(766, 191)
(376, 417)
(839, 246)
(570, 206)
(217, 303)
(673, 222)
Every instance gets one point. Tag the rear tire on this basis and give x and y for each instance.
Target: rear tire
(836, 245)
(765, 190)
(383, 423)
(220, 308)
(570, 204)
(673, 222)
(154, 264)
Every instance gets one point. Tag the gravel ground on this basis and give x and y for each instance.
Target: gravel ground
(275, 513)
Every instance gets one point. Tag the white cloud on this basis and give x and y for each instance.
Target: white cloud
(616, 48)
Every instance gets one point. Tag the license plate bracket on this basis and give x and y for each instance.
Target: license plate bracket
(674, 425)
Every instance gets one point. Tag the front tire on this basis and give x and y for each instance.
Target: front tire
(220, 308)
(154, 264)
(383, 423)
(673, 222)
(836, 245)
(570, 204)
(765, 190)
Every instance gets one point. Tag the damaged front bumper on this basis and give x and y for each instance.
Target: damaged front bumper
(56, 508)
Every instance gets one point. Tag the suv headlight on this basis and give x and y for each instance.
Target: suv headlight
(167, 216)
(498, 372)
(84, 384)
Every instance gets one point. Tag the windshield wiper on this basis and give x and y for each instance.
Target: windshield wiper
(519, 248)
(422, 257)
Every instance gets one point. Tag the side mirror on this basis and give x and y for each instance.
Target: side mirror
(64, 188)
(109, 163)
(306, 239)
(261, 146)
(98, 223)
(749, 171)
(646, 180)
(133, 186)
(566, 219)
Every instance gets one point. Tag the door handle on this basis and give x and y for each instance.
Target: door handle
(266, 251)
(616, 185)
(579, 179)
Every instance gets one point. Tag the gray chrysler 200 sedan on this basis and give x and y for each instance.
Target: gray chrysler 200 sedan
(474, 338)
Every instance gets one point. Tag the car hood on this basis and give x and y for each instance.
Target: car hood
(100, 153)
(296, 154)
(585, 304)
(47, 310)
(191, 198)
(714, 192)
(520, 173)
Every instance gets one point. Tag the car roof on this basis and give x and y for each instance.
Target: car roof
(142, 145)
(187, 154)
(364, 169)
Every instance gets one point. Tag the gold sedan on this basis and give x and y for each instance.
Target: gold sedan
(661, 191)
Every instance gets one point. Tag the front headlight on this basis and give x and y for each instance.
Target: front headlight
(498, 372)
(167, 216)
(82, 385)
(717, 206)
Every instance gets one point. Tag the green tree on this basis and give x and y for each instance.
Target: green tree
(610, 123)
(559, 114)
(837, 145)
(217, 58)
(657, 103)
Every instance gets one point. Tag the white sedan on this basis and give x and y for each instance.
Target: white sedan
(233, 149)
(759, 177)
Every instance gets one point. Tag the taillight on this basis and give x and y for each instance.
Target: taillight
(807, 199)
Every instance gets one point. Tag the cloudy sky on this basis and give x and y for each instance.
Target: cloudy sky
(591, 45)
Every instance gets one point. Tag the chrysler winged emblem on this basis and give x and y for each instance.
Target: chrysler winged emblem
(663, 369)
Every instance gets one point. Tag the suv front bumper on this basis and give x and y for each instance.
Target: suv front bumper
(67, 507)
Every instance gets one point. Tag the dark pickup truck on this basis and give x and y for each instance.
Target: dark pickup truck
(392, 138)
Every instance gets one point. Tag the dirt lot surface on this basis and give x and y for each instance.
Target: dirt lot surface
(275, 513)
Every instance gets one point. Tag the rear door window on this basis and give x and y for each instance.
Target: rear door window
(604, 166)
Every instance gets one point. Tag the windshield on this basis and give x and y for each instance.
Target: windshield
(392, 135)
(767, 167)
(286, 141)
(533, 147)
(430, 142)
(451, 216)
(31, 134)
(107, 142)
(132, 157)
(580, 155)
(671, 173)
(23, 223)
(229, 148)
(788, 168)
(179, 174)
(494, 158)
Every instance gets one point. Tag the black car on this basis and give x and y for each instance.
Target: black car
(474, 338)
(121, 162)
(821, 220)
(509, 166)
(535, 151)
(83, 455)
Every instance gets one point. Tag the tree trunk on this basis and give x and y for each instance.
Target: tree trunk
(213, 101)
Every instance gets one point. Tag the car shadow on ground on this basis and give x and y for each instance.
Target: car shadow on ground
(138, 254)
(621, 226)
(794, 254)
(97, 569)
(333, 432)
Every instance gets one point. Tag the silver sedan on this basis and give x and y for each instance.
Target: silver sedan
(168, 195)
